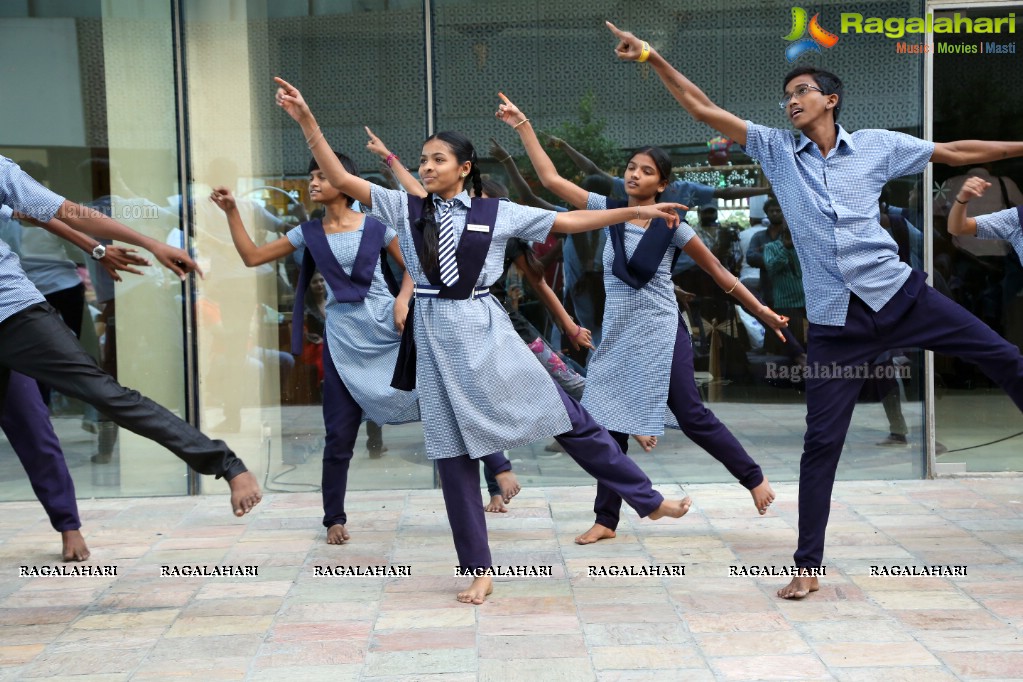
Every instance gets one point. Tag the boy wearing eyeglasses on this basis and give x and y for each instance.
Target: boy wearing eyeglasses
(865, 300)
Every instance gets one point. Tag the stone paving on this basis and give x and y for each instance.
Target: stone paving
(288, 623)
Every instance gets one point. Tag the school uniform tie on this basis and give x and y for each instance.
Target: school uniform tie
(446, 245)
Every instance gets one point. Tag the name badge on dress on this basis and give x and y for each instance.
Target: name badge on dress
(477, 228)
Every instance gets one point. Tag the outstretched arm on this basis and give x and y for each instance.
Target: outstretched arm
(958, 222)
(566, 189)
(681, 88)
(578, 335)
(577, 157)
(526, 194)
(394, 164)
(290, 99)
(571, 222)
(731, 285)
(251, 254)
(116, 258)
(92, 222)
(970, 152)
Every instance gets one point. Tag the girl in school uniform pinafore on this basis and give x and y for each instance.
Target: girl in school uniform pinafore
(480, 387)
(360, 343)
(641, 377)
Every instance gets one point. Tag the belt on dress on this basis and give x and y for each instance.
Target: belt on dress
(434, 292)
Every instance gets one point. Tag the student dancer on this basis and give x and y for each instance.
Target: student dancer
(519, 253)
(38, 344)
(479, 389)
(25, 419)
(1003, 224)
(360, 346)
(865, 301)
(642, 372)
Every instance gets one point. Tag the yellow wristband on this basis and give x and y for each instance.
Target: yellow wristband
(644, 54)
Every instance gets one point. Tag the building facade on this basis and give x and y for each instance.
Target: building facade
(140, 107)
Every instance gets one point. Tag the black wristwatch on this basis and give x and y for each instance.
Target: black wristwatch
(98, 252)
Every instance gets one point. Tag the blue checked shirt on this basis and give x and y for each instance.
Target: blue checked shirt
(831, 207)
(1002, 225)
(18, 191)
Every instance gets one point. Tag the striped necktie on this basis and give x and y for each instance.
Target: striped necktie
(446, 245)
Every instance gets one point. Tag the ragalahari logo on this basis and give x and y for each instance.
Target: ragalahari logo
(819, 37)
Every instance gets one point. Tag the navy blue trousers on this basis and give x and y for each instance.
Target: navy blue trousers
(26, 421)
(917, 316)
(697, 422)
(588, 443)
(341, 418)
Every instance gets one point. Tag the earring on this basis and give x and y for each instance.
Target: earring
(464, 174)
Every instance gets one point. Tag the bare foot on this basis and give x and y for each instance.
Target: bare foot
(595, 534)
(799, 587)
(763, 496)
(496, 505)
(478, 592)
(675, 509)
(509, 485)
(648, 443)
(337, 535)
(245, 493)
(74, 546)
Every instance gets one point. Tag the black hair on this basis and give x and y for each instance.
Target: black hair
(662, 162)
(348, 165)
(494, 189)
(829, 83)
(598, 183)
(461, 146)
(771, 201)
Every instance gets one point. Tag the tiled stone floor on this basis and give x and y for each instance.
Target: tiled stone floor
(290, 624)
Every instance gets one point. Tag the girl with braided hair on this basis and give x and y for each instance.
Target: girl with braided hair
(480, 390)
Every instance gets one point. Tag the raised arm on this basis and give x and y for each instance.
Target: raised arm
(92, 222)
(290, 99)
(958, 222)
(972, 152)
(398, 170)
(571, 222)
(251, 254)
(691, 98)
(577, 157)
(526, 194)
(566, 189)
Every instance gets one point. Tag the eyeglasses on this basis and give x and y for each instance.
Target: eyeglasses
(799, 92)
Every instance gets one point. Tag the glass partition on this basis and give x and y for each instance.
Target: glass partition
(95, 121)
(406, 68)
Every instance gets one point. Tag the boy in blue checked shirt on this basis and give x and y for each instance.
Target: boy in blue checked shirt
(865, 300)
(998, 225)
(37, 343)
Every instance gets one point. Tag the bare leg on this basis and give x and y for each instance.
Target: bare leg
(648, 443)
(478, 592)
(496, 505)
(245, 493)
(799, 587)
(763, 496)
(674, 509)
(595, 534)
(75, 548)
(337, 535)
(509, 485)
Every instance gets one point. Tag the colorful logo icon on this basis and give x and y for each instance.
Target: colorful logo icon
(819, 37)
